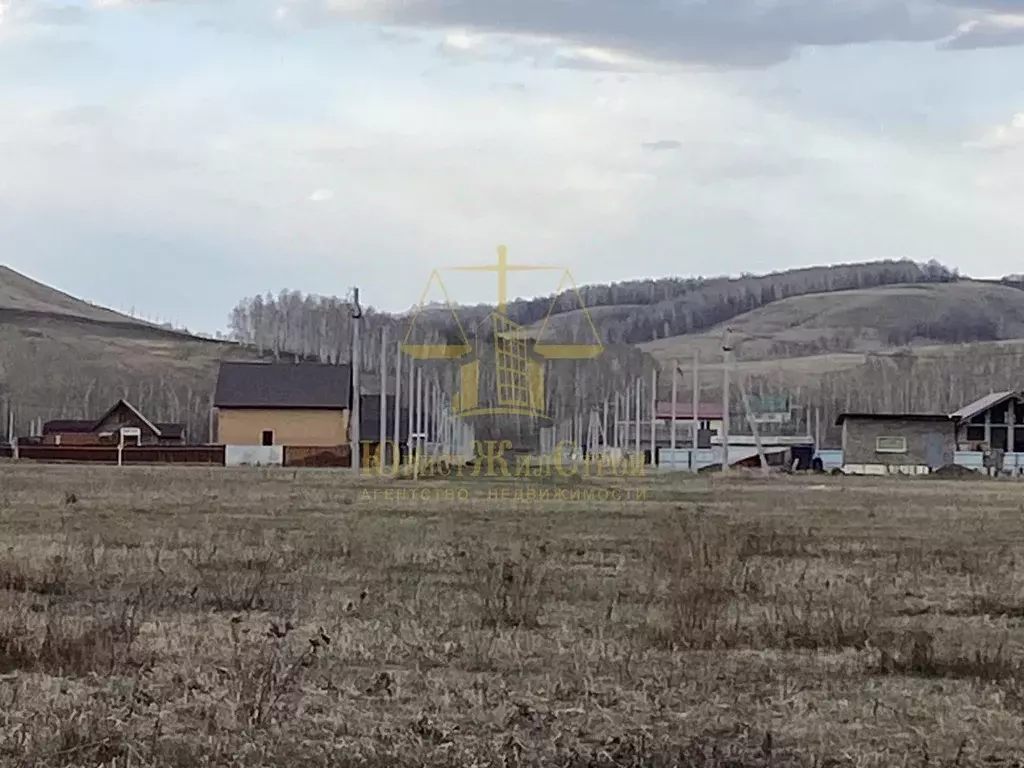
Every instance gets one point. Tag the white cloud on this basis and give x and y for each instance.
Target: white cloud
(1004, 136)
(321, 195)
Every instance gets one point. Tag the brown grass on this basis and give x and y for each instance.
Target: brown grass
(189, 617)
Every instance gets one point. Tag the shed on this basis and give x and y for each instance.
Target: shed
(908, 443)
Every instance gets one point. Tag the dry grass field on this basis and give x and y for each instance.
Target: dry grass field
(211, 617)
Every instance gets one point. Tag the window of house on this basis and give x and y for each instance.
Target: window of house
(975, 434)
(268, 437)
(890, 444)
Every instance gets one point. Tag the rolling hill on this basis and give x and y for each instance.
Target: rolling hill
(64, 357)
(862, 321)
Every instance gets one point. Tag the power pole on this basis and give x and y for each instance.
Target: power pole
(726, 364)
(382, 438)
(615, 426)
(396, 428)
(636, 442)
(357, 364)
(411, 410)
(654, 414)
(695, 414)
(672, 426)
(753, 425)
(419, 424)
(604, 429)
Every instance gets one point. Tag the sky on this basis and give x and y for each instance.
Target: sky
(175, 156)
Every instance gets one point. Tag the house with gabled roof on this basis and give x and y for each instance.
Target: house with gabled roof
(282, 404)
(995, 421)
(106, 429)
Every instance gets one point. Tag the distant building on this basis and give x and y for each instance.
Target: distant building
(283, 404)
(369, 428)
(907, 443)
(106, 429)
(709, 417)
(994, 422)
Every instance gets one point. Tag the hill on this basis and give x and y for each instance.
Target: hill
(21, 295)
(64, 357)
(862, 321)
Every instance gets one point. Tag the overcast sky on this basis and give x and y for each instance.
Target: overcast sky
(178, 155)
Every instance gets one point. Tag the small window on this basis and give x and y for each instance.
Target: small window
(890, 445)
(268, 437)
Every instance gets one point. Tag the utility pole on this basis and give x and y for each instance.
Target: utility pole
(604, 430)
(817, 428)
(636, 442)
(396, 428)
(357, 364)
(695, 421)
(654, 421)
(726, 364)
(419, 424)
(411, 410)
(753, 425)
(383, 436)
(618, 433)
(672, 426)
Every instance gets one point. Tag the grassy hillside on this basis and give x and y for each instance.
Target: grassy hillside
(64, 357)
(22, 295)
(846, 325)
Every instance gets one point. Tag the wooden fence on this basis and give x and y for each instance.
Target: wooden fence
(156, 454)
(294, 455)
(314, 456)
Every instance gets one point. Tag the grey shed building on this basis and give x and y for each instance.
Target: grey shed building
(905, 443)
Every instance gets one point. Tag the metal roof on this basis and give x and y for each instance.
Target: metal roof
(893, 417)
(982, 404)
(283, 385)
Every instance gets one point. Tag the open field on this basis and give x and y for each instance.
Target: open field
(191, 617)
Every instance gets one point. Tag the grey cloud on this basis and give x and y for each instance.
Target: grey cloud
(59, 15)
(724, 32)
(662, 145)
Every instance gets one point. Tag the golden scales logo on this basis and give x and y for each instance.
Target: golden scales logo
(519, 377)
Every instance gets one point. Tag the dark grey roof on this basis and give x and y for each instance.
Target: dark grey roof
(893, 417)
(283, 385)
(369, 419)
